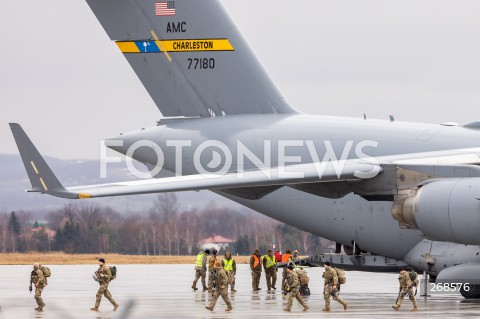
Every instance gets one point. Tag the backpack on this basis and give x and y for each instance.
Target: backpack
(341, 276)
(413, 277)
(302, 276)
(46, 271)
(113, 270)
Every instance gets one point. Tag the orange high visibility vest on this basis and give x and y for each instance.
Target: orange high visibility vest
(256, 261)
(286, 257)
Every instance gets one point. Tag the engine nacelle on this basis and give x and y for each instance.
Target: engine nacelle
(444, 210)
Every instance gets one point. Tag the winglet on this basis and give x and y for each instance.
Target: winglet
(41, 176)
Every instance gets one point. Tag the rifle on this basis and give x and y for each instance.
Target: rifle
(31, 281)
(334, 292)
(214, 281)
(399, 291)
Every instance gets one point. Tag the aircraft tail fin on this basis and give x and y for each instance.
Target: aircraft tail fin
(190, 57)
(41, 176)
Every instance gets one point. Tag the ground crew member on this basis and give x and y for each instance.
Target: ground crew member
(230, 268)
(104, 275)
(295, 257)
(292, 286)
(270, 267)
(278, 256)
(40, 281)
(285, 259)
(256, 269)
(220, 288)
(211, 268)
(201, 269)
(331, 287)
(406, 287)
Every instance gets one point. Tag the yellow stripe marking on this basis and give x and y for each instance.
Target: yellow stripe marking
(84, 195)
(43, 184)
(128, 47)
(196, 45)
(34, 167)
(160, 46)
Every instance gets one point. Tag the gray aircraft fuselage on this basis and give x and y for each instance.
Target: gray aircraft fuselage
(345, 220)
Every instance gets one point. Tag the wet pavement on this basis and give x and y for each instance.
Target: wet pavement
(162, 291)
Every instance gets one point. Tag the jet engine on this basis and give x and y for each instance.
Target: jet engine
(444, 210)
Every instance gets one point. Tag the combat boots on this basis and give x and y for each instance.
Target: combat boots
(305, 308)
(233, 290)
(326, 309)
(396, 307)
(414, 308)
(115, 307)
(345, 305)
(94, 308)
(209, 308)
(194, 288)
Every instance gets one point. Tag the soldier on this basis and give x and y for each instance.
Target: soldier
(331, 287)
(201, 269)
(230, 268)
(406, 287)
(285, 259)
(278, 256)
(292, 286)
(295, 257)
(220, 288)
(40, 281)
(211, 268)
(256, 269)
(104, 275)
(270, 267)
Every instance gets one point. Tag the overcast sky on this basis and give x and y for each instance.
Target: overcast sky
(69, 86)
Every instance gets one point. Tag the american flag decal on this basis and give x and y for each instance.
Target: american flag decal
(165, 8)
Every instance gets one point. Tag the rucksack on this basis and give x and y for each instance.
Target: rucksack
(113, 270)
(302, 276)
(341, 276)
(46, 271)
(413, 277)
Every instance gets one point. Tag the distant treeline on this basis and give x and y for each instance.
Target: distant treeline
(164, 230)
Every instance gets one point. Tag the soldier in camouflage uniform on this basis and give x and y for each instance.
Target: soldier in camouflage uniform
(211, 268)
(292, 285)
(104, 275)
(256, 269)
(406, 287)
(270, 268)
(230, 268)
(331, 287)
(221, 283)
(40, 282)
(201, 269)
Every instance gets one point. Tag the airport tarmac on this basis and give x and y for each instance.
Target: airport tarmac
(162, 291)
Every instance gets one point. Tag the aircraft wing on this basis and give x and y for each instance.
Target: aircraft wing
(43, 179)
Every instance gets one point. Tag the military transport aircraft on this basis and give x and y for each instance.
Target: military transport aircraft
(407, 194)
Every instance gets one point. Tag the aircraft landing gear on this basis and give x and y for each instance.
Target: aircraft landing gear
(349, 250)
(338, 248)
(473, 293)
